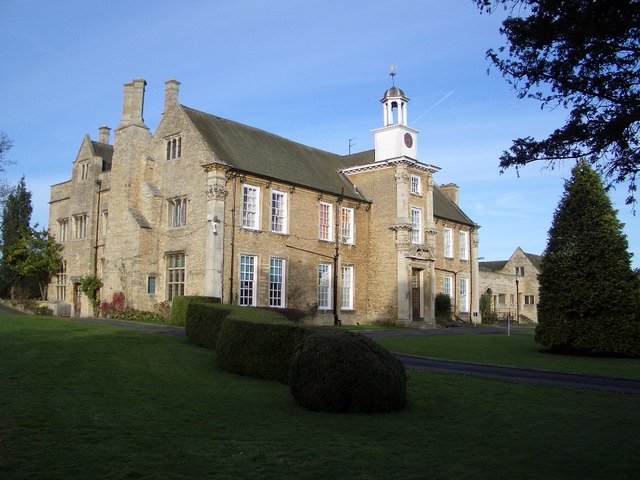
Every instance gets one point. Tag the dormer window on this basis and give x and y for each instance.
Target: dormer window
(174, 148)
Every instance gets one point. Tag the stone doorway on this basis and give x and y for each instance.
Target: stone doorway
(77, 300)
(416, 294)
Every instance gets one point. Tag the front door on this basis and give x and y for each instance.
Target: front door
(77, 296)
(416, 295)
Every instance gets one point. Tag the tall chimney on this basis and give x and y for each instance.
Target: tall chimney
(133, 104)
(172, 88)
(104, 134)
(451, 191)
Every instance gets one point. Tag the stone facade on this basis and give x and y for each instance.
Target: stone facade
(513, 285)
(206, 206)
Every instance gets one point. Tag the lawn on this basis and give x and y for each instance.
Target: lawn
(90, 401)
(517, 350)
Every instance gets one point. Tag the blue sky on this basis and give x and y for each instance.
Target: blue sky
(310, 71)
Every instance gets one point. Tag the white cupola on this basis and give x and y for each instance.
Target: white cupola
(395, 139)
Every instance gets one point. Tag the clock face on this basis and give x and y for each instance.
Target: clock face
(408, 140)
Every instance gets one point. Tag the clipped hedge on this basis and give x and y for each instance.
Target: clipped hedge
(203, 323)
(344, 372)
(180, 304)
(603, 335)
(259, 347)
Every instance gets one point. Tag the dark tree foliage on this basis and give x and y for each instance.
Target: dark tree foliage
(586, 300)
(583, 55)
(5, 146)
(16, 214)
(16, 217)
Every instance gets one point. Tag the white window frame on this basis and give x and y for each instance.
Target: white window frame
(325, 291)
(178, 212)
(416, 224)
(464, 245)
(176, 275)
(520, 271)
(325, 230)
(251, 207)
(248, 281)
(447, 286)
(416, 185)
(448, 242)
(347, 225)
(348, 288)
(277, 282)
(279, 212)
(464, 295)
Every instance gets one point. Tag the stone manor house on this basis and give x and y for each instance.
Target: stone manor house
(208, 206)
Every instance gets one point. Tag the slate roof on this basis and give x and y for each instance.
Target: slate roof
(536, 260)
(106, 152)
(445, 208)
(492, 266)
(498, 265)
(256, 151)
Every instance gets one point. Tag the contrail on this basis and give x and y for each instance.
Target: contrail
(433, 106)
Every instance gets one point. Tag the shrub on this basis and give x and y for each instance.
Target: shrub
(258, 346)
(90, 285)
(345, 372)
(599, 335)
(443, 308)
(180, 305)
(294, 314)
(133, 315)
(486, 315)
(203, 322)
(117, 304)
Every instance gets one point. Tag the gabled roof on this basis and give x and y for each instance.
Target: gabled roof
(536, 260)
(105, 151)
(445, 208)
(496, 266)
(258, 152)
(492, 266)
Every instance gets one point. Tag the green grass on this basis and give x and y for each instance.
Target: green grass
(517, 350)
(88, 401)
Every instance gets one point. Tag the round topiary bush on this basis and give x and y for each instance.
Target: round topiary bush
(344, 372)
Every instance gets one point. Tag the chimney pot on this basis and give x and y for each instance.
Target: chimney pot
(104, 134)
(172, 88)
(451, 191)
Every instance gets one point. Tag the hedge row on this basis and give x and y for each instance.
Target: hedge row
(180, 305)
(332, 371)
(598, 335)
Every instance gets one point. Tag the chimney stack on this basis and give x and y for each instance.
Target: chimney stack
(451, 191)
(133, 104)
(172, 88)
(104, 134)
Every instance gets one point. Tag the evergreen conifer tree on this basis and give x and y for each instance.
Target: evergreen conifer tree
(16, 214)
(586, 302)
(16, 218)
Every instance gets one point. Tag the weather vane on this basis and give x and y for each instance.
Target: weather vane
(393, 75)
